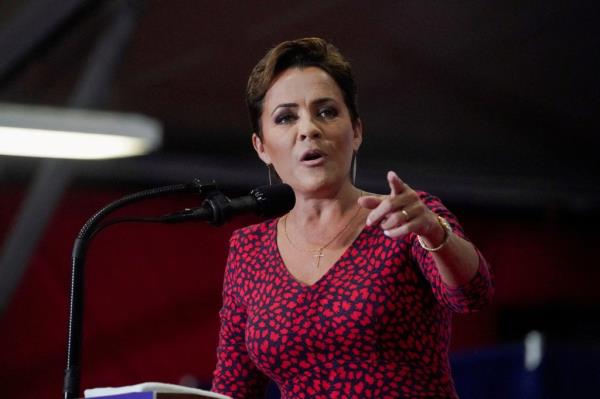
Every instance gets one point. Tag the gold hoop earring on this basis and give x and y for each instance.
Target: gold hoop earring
(272, 174)
(269, 173)
(354, 162)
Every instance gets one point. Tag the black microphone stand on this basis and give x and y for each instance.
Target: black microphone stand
(213, 204)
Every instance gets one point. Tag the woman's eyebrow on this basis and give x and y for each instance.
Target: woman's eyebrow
(284, 105)
(323, 100)
(317, 102)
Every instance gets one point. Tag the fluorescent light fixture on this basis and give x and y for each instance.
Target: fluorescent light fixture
(47, 132)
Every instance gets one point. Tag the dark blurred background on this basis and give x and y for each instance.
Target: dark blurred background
(493, 106)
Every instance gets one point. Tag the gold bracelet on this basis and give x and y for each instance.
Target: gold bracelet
(447, 231)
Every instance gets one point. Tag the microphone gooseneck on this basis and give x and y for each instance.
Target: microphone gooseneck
(267, 201)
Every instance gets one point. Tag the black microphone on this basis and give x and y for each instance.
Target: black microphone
(265, 201)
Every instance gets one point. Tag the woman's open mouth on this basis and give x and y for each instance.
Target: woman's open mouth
(312, 158)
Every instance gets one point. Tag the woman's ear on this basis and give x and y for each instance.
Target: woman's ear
(259, 147)
(357, 138)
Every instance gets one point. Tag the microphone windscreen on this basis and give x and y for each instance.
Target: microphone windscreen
(274, 200)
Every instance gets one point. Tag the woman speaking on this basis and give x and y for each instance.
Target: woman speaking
(350, 294)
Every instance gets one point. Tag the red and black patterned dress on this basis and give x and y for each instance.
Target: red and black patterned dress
(376, 325)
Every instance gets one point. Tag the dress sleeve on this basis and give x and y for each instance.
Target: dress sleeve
(467, 297)
(235, 374)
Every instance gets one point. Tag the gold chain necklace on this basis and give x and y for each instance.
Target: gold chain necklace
(318, 253)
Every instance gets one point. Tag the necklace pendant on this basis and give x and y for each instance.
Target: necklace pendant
(318, 256)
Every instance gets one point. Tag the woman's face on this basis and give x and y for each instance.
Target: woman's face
(307, 133)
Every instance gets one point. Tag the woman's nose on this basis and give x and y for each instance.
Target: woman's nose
(307, 128)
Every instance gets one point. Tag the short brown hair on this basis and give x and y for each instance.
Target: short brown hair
(300, 53)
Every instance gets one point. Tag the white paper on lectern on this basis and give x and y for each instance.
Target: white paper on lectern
(159, 387)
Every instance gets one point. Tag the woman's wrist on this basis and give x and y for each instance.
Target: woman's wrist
(439, 235)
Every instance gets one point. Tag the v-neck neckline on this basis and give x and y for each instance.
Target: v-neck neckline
(325, 276)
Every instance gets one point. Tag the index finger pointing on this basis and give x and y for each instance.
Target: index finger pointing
(396, 184)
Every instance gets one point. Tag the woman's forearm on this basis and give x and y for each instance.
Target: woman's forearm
(457, 261)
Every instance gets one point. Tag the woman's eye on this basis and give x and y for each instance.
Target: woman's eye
(328, 113)
(284, 119)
